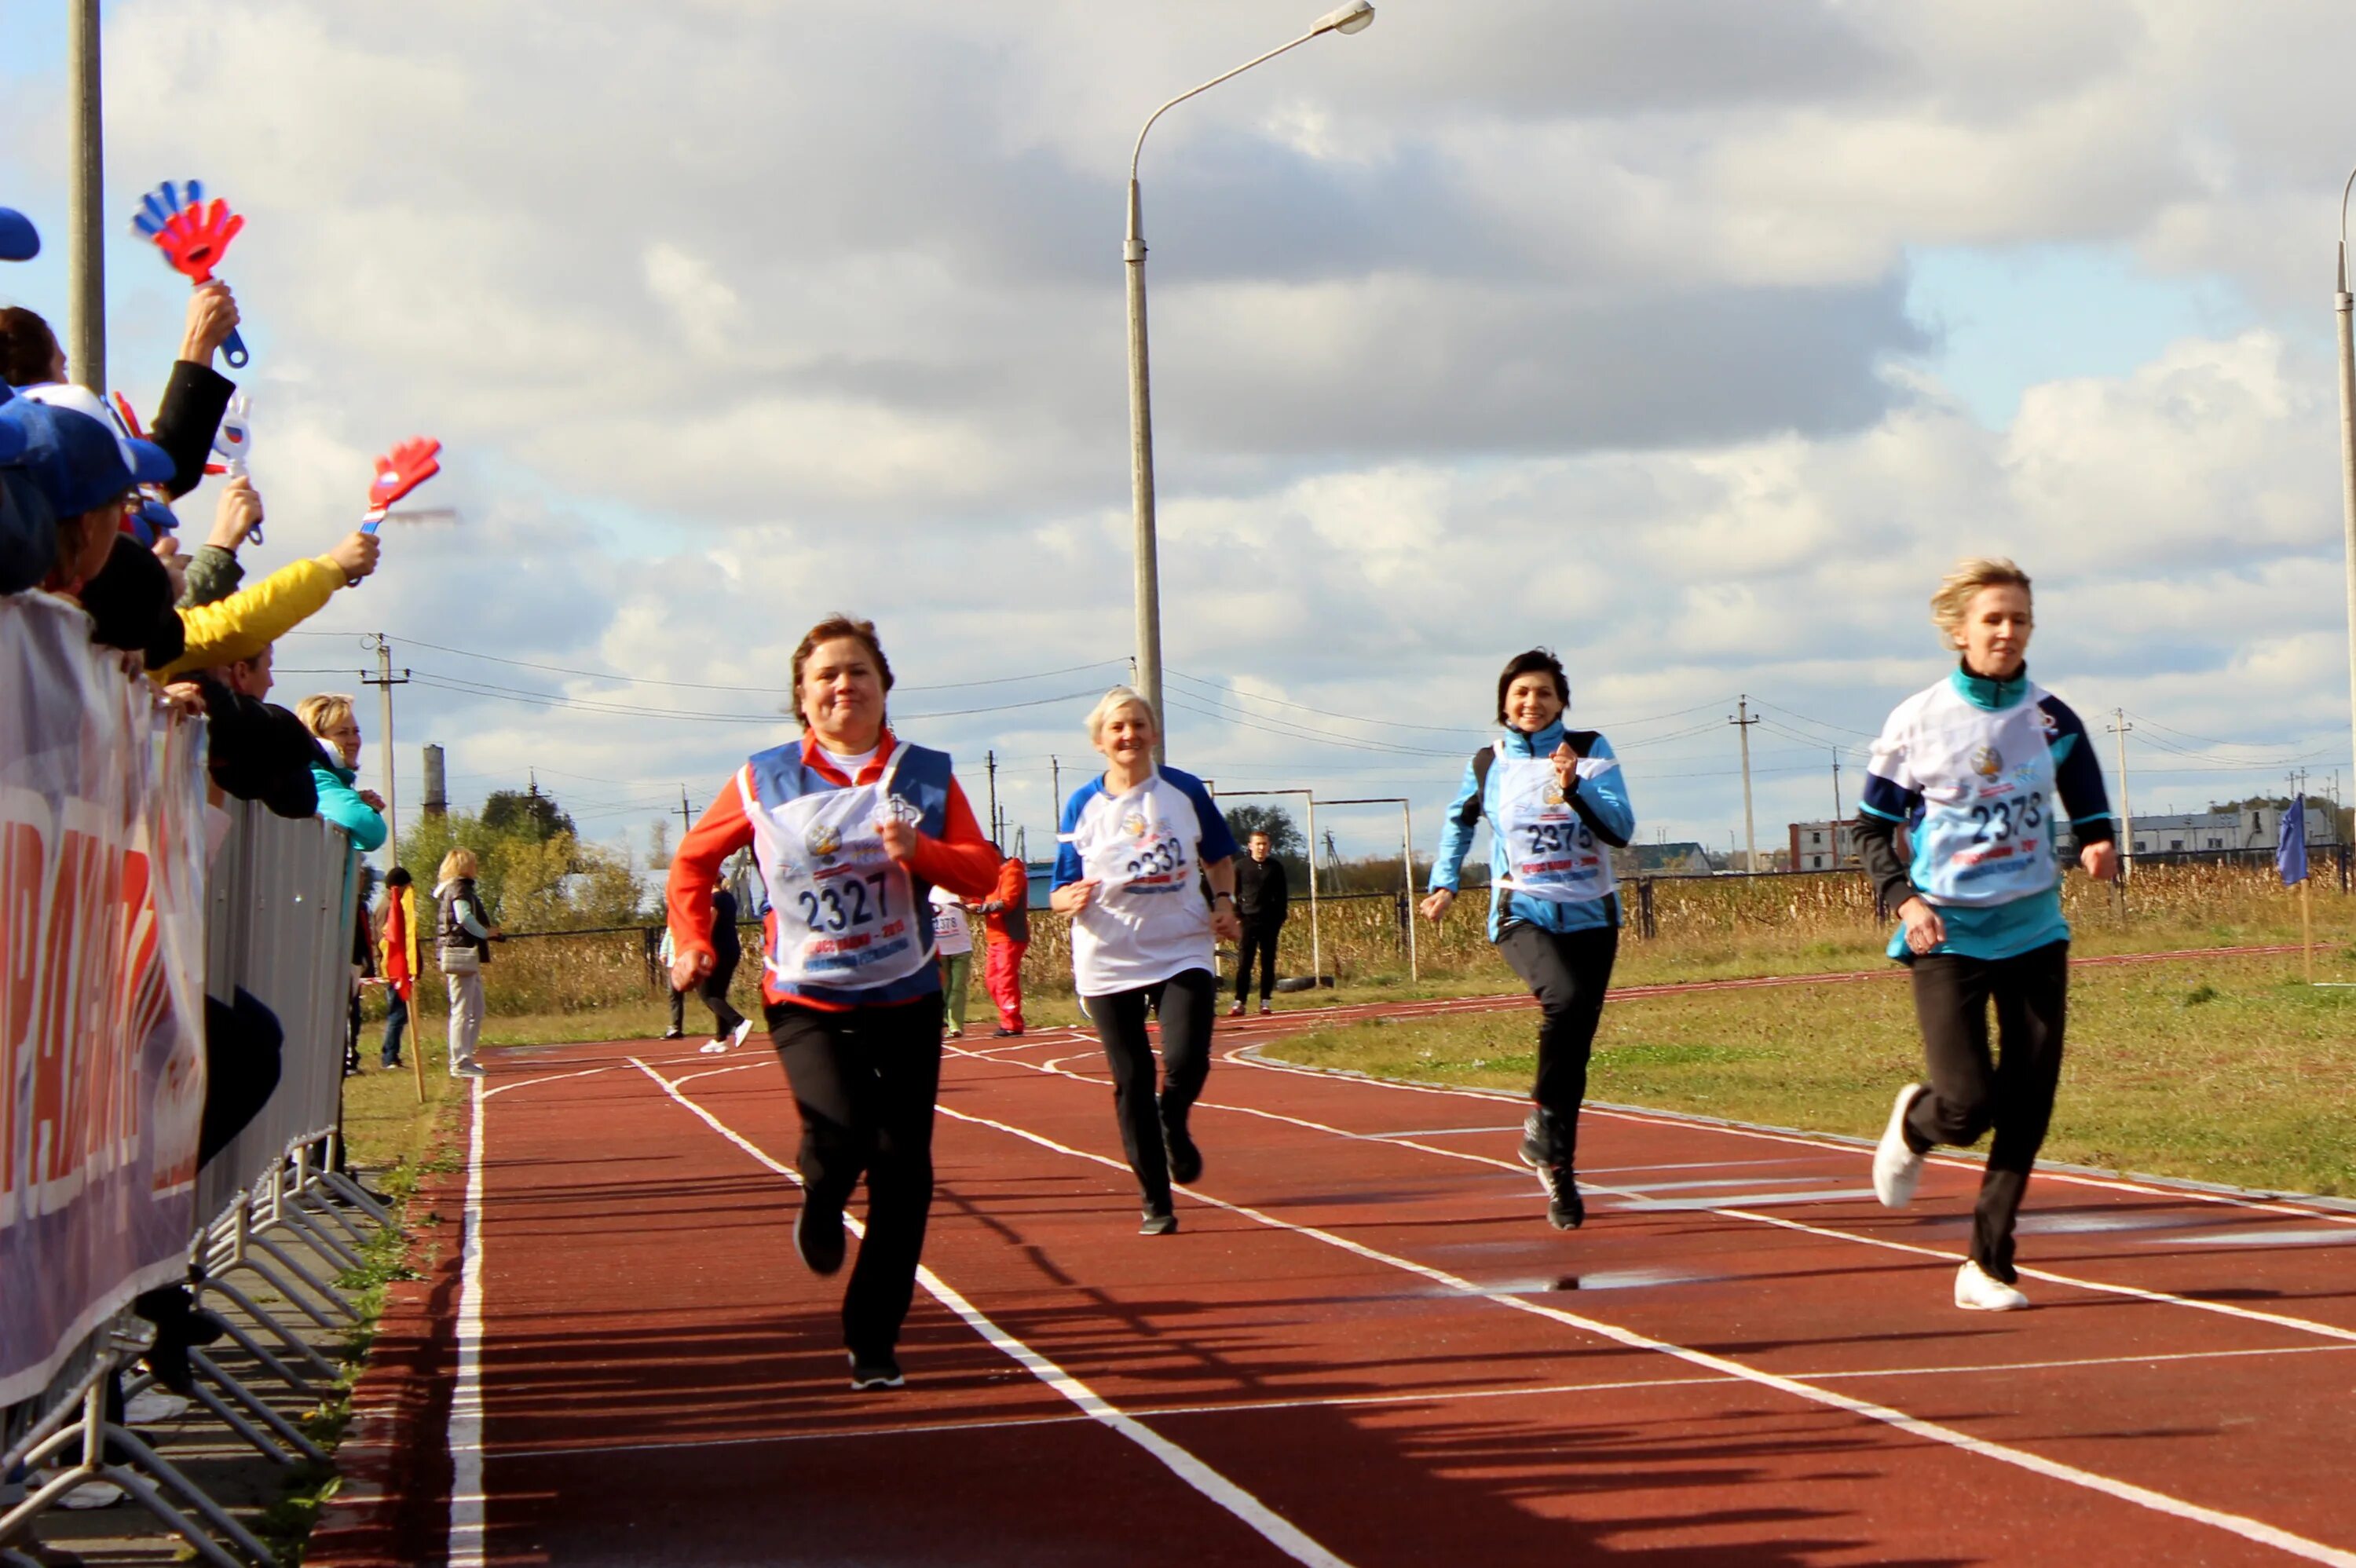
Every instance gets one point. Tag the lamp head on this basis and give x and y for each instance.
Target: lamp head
(1354, 18)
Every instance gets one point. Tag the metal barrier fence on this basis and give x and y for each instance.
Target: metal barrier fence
(276, 1224)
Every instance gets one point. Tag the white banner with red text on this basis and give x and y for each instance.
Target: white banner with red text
(102, 986)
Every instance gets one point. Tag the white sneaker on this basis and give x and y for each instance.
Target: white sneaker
(743, 1030)
(152, 1405)
(1976, 1290)
(93, 1494)
(1896, 1166)
(713, 1047)
(470, 1070)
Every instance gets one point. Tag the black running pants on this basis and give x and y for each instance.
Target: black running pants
(1567, 972)
(865, 1081)
(713, 989)
(1186, 1003)
(1973, 1090)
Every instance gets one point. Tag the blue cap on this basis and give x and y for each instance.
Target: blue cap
(152, 520)
(77, 459)
(19, 240)
(12, 435)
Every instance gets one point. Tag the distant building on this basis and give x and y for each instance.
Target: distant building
(2200, 832)
(1685, 860)
(1824, 846)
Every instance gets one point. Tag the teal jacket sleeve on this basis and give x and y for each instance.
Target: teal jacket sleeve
(1456, 837)
(341, 803)
(1599, 795)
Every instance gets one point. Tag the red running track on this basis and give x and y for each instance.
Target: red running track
(1366, 1345)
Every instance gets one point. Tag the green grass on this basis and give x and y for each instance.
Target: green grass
(2226, 1069)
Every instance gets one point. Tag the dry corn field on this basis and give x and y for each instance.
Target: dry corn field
(1704, 928)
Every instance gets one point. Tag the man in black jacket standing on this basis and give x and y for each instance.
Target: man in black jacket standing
(1260, 906)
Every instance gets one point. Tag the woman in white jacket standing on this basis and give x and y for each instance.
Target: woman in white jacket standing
(464, 946)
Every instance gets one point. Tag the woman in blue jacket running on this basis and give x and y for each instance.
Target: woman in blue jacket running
(1557, 806)
(1985, 766)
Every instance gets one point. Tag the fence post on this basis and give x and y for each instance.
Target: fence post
(1644, 925)
(652, 937)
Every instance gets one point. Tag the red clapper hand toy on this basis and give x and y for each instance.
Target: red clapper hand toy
(194, 235)
(399, 471)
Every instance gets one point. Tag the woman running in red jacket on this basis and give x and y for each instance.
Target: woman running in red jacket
(852, 828)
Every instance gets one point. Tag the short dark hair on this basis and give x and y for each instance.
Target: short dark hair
(1537, 661)
(834, 627)
(397, 877)
(28, 349)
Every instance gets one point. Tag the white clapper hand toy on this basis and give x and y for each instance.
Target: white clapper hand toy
(233, 444)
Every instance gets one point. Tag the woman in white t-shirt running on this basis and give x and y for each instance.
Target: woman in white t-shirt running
(1136, 843)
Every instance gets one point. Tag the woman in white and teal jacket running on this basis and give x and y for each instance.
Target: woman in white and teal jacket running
(1557, 807)
(1985, 765)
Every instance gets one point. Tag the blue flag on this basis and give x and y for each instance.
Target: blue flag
(2290, 850)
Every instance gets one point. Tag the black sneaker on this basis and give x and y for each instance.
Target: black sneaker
(875, 1371)
(1565, 1210)
(1158, 1222)
(672, 1034)
(1186, 1159)
(1004, 1033)
(817, 1236)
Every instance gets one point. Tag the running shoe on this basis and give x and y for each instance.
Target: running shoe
(1004, 1033)
(1566, 1210)
(1160, 1221)
(817, 1236)
(1186, 1159)
(1237, 1010)
(743, 1029)
(1896, 1165)
(1976, 1290)
(1264, 1009)
(672, 1034)
(875, 1371)
(470, 1070)
(713, 1046)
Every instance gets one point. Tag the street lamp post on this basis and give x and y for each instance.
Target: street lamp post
(1353, 17)
(2345, 305)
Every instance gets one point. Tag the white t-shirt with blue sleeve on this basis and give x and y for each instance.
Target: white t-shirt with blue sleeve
(1146, 848)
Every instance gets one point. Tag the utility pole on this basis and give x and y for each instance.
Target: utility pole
(85, 199)
(1055, 790)
(1749, 833)
(384, 680)
(686, 813)
(990, 759)
(2119, 727)
(1837, 812)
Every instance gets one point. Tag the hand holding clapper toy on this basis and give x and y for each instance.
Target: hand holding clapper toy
(194, 235)
(399, 471)
(233, 444)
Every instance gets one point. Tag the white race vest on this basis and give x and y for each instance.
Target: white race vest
(846, 912)
(1551, 854)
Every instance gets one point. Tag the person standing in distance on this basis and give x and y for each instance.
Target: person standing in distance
(953, 940)
(465, 935)
(1134, 845)
(1558, 804)
(851, 829)
(1991, 761)
(1006, 936)
(1260, 906)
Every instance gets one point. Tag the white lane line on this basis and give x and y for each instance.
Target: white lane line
(466, 1500)
(716, 1071)
(2160, 1502)
(2288, 1207)
(1423, 1397)
(1278, 1530)
(1447, 1132)
(549, 1078)
(1637, 1202)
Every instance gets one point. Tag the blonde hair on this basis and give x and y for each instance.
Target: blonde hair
(1963, 581)
(324, 710)
(457, 863)
(1112, 702)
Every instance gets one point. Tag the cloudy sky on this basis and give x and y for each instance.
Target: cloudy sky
(1690, 337)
